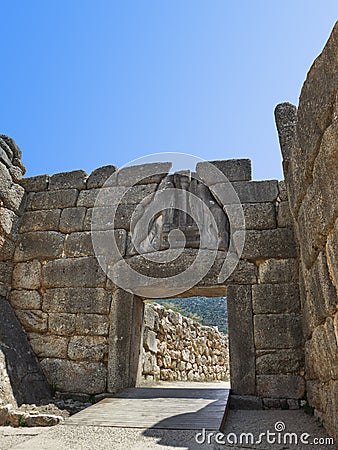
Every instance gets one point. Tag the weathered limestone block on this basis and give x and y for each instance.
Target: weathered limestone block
(241, 344)
(105, 220)
(72, 376)
(51, 346)
(105, 197)
(68, 180)
(321, 356)
(175, 317)
(245, 273)
(150, 316)
(52, 199)
(6, 155)
(278, 243)
(233, 169)
(7, 248)
(5, 176)
(90, 348)
(13, 197)
(9, 223)
(284, 218)
(286, 118)
(4, 410)
(6, 269)
(323, 397)
(150, 365)
(136, 194)
(32, 320)
(61, 324)
(32, 419)
(126, 323)
(319, 286)
(318, 211)
(122, 217)
(316, 100)
(35, 184)
(3, 291)
(313, 313)
(42, 245)
(279, 361)
(149, 340)
(280, 386)
(11, 148)
(150, 173)
(6, 391)
(72, 219)
(91, 324)
(100, 176)
(332, 255)
(45, 220)
(73, 272)
(65, 324)
(27, 381)
(259, 216)
(18, 163)
(87, 198)
(5, 158)
(11, 193)
(111, 245)
(282, 189)
(275, 298)
(120, 336)
(317, 394)
(77, 300)
(278, 271)
(247, 191)
(274, 331)
(25, 299)
(27, 275)
(331, 416)
(79, 244)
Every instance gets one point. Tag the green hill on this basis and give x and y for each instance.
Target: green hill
(205, 310)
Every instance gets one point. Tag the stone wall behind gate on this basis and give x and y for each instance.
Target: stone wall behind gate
(177, 348)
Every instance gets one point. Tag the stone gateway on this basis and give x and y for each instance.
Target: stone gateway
(64, 323)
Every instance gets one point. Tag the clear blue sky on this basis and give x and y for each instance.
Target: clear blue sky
(89, 83)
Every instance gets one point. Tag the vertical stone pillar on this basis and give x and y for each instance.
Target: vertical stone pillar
(241, 340)
(136, 344)
(125, 334)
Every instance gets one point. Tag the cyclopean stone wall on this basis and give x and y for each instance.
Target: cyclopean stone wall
(59, 291)
(21, 378)
(12, 197)
(309, 142)
(176, 348)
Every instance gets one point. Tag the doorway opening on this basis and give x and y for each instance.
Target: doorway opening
(185, 340)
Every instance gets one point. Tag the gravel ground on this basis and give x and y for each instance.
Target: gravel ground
(10, 437)
(67, 437)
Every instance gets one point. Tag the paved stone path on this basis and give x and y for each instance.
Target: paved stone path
(173, 406)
